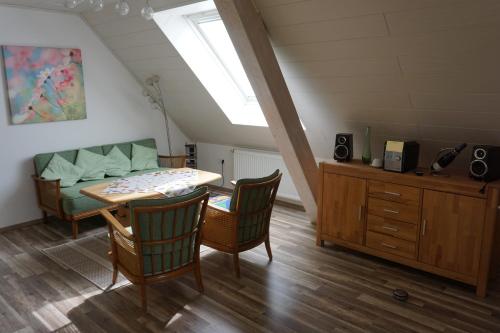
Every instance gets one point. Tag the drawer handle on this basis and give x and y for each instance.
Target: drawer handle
(391, 211)
(391, 228)
(389, 246)
(424, 226)
(360, 213)
(396, 194)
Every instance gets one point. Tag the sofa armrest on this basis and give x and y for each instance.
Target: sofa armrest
(178, 161)
(49, 195)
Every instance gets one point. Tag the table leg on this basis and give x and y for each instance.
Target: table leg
(122, 215)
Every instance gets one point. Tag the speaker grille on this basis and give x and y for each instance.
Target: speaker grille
(341, 152)
(478, 168)
(479, 153)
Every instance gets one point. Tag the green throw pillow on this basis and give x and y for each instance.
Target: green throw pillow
(118, 163)
(144, 158)
(60, 168)
(94, 165)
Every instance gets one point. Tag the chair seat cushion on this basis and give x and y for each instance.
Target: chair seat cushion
(220, 201)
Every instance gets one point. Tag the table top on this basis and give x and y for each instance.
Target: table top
(96, 191)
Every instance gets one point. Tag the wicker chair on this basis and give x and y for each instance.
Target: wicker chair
(173, 161)
(245, 224)
(162, 242)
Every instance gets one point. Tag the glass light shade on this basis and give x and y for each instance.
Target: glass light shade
(147, 12)
(96, 5)
(122, 7)
(72, 3)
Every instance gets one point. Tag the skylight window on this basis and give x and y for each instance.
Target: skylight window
(215, 33)
(199, 35)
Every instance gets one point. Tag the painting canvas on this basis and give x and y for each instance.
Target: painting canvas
(44, 84)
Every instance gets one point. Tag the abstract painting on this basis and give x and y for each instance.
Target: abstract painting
(44, 84)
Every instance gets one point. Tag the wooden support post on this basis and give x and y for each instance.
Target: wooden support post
(250, 39)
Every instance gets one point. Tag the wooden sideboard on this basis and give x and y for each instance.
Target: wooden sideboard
(442, 225)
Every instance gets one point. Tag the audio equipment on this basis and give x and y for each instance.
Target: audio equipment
(445, 157)
(401, 156)
(343, 147)
(485, 163)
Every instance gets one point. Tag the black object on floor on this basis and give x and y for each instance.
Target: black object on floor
(400, 295)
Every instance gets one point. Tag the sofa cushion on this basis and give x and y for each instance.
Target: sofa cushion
(118, 164)
(60, 168)
(144, 158)
(93, 164)
(42, 160)
(74, 202)
(126, 147)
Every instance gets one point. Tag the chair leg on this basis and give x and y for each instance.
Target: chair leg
(144, 300)
(74, 229)
(115, 275)
(45, 217)
(197, 275)
(268, 249)
(236, 263)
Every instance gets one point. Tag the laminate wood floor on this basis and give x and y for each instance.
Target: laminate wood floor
(304, 289)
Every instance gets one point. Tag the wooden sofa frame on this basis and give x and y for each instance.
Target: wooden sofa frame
(48, 194)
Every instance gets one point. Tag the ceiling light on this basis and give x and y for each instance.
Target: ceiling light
(122, 7)
(96, 5)
(72, 3)
(147, 12)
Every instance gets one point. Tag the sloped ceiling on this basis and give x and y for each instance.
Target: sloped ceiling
(426, 70)
(145, 50)
(57, 5)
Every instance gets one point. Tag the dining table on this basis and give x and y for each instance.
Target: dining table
(148, 185)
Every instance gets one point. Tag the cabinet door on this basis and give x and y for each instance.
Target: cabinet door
(451, 231)
(343, 207)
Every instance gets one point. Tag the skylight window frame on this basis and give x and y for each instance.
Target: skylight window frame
(211, 16)
(185, 37)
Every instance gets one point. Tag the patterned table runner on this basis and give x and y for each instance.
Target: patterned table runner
(168, 182)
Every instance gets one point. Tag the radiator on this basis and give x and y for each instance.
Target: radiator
(258, 163)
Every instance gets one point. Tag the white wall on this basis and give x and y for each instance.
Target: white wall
(210, 156)
(116, 109)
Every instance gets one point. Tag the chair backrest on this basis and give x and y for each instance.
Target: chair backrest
(167, 231)
(254, 206)
(175, 161)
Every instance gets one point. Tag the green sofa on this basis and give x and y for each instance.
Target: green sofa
(67, 203)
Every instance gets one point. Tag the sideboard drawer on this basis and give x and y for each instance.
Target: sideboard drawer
(393, 210)
(402, 230)
(390, 244)
(393, 192)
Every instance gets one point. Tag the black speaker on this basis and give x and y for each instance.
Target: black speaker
(343, 147)
(485, 163)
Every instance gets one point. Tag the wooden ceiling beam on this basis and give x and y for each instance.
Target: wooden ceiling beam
(250, 39)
